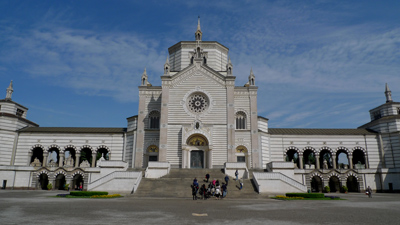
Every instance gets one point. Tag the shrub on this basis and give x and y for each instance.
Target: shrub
(88, 193)
(344, 189)
(306, 195)
(66, 187)
(49, 186)
(106, 196)
(327, 189)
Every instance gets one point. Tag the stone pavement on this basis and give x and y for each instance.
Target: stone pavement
(36, 207)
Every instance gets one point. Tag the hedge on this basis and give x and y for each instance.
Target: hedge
(306, 195)
(88, 193)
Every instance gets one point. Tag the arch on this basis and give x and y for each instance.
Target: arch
(241, 120)
(37, 153)
(77, 180)
(86, 154)
(38, 146)
(342, 152)
(60, 181)
(334, 182)
(42, 172)
(53, 158)
(60, 172)
(70, 151)
(352, 183)
(197, 140)
(43, 180)
(359, 158)
(325, 154)
(292, 154)
(316, 183)
(154, 119)
(309, 156)
(152, 153)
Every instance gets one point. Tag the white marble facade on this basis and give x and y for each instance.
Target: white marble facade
(199, 118)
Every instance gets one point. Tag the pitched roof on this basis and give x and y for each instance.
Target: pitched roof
(73, 130)
(306, 131)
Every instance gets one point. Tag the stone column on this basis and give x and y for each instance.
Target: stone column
(301, 160)
(45, 154)
(77, 158)
(317, 161)
(350, 161)
(29, 157)
(61, 162)
(93, 159)
(334, 161)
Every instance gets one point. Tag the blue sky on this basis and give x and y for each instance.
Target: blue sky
(318, 64)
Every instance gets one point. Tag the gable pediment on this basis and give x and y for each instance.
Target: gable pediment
(197, 70)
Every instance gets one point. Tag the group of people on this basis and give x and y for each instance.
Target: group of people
(213, 189)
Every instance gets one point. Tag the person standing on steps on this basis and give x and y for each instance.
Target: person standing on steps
(207, 177)
(226, 180)
(194, 192)
(224, 190)
(237, 175)
(241, 183)
(369, 190)
(213, 182)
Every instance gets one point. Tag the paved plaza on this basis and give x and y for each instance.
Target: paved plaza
(37, 207)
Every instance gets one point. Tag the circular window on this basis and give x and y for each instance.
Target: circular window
(197, 103)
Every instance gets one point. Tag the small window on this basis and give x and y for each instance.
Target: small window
(154, 118)
(240, 120)
(19, 112)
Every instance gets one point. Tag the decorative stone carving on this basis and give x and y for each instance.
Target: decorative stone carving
(98, 163)
(36, 162)
(69, 162)
(52, 163)
(325, 165)
(84, 164)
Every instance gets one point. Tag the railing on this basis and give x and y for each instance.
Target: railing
(112, 163)
(115, 174)
(279, 176)
(281, 165)
(136, 185)
(154, 166)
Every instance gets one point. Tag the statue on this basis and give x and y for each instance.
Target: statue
(69, 162)
(36, 162)
(98, 163)
(84, 164)
(52, 163)
(325, 165)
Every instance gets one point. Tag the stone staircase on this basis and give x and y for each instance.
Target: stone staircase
(177, 185)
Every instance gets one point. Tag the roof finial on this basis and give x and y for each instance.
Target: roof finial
(198, 23)
(388, 94)
(10, 90)
(198, 32)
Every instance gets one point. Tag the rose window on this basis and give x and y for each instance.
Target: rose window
(197, 103)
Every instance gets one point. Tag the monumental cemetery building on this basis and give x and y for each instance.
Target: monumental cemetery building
(199, 118)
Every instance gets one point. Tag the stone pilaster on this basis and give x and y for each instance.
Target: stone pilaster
(230, 98)
(29, 157)
(209, 159)
(164, 120)
(255, 150)
(317, 161)
(140, 128)
(366, 162)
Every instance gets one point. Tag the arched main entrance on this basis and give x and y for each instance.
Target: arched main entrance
(242, 155)
(196, 153)
(352, 184)
(60, 182)
(43, 181)
(334, 184)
